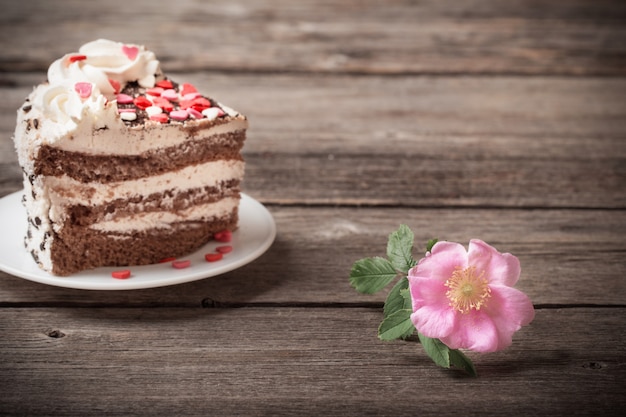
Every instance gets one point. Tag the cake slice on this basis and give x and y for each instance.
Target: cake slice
(122, 165)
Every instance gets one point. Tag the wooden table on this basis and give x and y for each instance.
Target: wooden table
(504, 121)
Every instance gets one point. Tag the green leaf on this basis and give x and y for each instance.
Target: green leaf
(370, 275)
(436, 350)
(397, 325)
(458, 359)
(395, 300)
(406, 295)
(430, 244)
(399, 248)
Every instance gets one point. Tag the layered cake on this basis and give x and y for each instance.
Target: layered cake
(122, 165)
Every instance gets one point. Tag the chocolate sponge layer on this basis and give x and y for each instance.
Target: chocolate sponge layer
(83, 167)
(78, 248)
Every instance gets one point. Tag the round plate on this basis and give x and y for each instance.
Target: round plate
(255, 235)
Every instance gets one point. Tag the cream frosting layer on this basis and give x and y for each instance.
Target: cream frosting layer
(66, 191)
(164, 219)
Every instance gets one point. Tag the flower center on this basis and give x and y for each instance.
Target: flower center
(466, 290)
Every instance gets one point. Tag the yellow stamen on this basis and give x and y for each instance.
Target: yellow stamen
(467, 291)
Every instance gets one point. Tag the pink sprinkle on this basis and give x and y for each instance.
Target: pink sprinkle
(127, 110)
(83, 89)
(155, 91)
(191, 96)
(179, 115)
(161, 118)
(124, 99)
(224, 249)
(194, 113)
(130, 51)
(181, 264)
(170, 94)
(163, 103)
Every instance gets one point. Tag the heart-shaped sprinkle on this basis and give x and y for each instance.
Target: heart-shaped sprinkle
(75, 58)
(142, 102)
(170, 94)
(163, 103)
(154, 91)
(179, 115)
(130, 51)
(124, 99)
(165, 84)
(161, 118)
(116, 85)
(83, 89)
(187, 88)
(194, 113)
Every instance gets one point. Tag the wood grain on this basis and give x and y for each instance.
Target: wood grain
(392, 37)
(282, 361)
(503, 142)
(568, 257)
(504, 121)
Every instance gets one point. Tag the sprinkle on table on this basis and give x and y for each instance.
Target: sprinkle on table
(182, 264)
(213, 257)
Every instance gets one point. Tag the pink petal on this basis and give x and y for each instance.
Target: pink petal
(474, 331)
(432, 314)
(510, 309)
(500, 268)
(444, 258)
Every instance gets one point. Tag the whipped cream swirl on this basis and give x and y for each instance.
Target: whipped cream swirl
(106, 63)
(66, 104)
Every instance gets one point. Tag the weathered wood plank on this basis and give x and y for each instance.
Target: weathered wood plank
(569, 257)
(392, 37)
(417, 141)
(283, 361)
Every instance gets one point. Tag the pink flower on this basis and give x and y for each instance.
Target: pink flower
(466, 299)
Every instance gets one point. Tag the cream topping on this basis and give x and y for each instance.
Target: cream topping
(69, 103)
(103, 60)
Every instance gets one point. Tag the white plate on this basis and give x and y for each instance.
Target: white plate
(256, 233)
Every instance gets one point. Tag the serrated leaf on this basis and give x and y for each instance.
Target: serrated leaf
(458, 359)
(395, 300)
(436, 350)
(406, 296)
(399, 248)
(430, 244)
(397, 325)
(370, 275)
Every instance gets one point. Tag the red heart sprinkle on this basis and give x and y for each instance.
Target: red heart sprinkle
(116, 85)
(130, 51)
(123, 274)
(166, 84)
(187, 88)
(75, 58)
(83, 89)
(142, 102)
(181, 264)
(161, 118)
(169, 259)
(155, 91)
(163, 103)
(223, 236)
(224, 249)
(213, 257)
